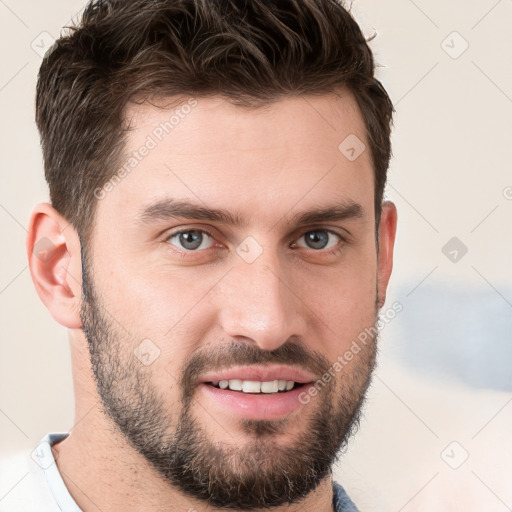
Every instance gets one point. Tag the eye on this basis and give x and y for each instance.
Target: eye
(191, 239)
(318, 239)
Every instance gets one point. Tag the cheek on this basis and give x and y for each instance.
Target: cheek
(170, 308)
(155, 296)
(343, 302)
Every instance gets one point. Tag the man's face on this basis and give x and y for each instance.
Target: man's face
(170, 317)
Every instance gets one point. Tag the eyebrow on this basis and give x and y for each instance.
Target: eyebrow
(169, 208)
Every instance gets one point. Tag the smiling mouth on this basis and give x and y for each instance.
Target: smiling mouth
(257, 387)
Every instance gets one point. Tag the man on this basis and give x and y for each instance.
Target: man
(216, 242)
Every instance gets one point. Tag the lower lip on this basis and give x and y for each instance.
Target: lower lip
(255, 406)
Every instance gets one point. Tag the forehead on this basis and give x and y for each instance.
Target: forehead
(214, 125)
(257, 162)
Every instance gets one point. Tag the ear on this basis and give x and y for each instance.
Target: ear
(53, 250)
(387, 232)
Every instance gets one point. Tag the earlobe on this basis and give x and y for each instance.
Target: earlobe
(387, 232)
(53, 250)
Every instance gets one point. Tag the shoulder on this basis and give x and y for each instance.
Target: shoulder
(23, 486)
(341, 501)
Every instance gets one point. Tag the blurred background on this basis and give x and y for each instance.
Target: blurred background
(437, 428)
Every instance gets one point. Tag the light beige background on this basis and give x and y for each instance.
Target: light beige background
(445, 360)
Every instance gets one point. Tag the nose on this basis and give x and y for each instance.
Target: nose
(258, 302)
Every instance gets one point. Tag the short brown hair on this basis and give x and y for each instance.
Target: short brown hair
(251, 52)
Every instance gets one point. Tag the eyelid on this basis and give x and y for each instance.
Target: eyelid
(322, 227)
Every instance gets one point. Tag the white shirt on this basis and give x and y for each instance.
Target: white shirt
(30, 481)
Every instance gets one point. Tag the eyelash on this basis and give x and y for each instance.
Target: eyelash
(189, 253)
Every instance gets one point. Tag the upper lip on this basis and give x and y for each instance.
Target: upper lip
(260, 373)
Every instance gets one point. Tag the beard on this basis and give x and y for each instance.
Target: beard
(260, 474)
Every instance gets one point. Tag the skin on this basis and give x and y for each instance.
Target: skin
(264, 165)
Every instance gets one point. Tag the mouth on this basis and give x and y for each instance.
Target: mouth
(256, 392)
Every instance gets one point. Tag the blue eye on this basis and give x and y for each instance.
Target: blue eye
(319, 239)
(191, 239)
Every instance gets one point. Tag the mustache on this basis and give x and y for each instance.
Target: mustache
(293, 353)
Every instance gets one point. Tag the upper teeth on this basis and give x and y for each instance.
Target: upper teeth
(253, 386)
